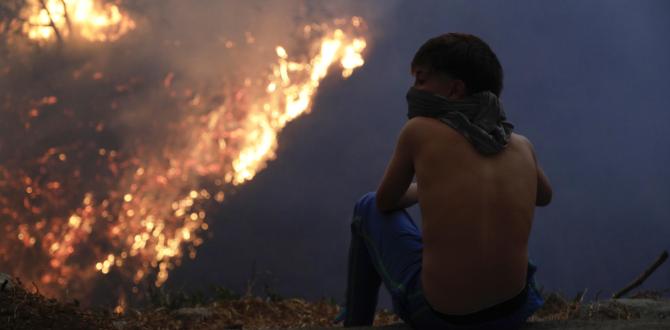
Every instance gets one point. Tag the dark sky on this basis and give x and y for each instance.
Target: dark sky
(586, 81)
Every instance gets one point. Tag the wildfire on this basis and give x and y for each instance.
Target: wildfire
(49, 19)
(155, 213)
(288, 99)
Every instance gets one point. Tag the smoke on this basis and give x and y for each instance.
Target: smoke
(111, 152)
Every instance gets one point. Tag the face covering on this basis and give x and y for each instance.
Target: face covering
(479, 118)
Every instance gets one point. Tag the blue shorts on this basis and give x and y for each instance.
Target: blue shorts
(387, 248)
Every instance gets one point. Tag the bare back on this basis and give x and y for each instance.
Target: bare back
(476, 218)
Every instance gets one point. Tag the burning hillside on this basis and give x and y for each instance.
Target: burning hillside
(119, 133)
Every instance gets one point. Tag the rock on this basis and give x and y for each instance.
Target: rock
(645, 314)
(194, 313)
(557, 325)
(600, 325)
(647, 308)
(624, 308)
(6, 282)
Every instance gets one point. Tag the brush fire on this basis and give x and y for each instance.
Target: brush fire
(111, 156)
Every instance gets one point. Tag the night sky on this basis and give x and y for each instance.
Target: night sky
(586, 81)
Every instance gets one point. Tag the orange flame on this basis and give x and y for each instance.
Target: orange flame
(288, 99)
(94, 22)
(155, 215)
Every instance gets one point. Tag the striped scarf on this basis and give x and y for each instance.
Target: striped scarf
(479, 117)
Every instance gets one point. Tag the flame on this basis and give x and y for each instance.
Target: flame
(289, 99)
(155, 215)
(93, 21)
(121, 305)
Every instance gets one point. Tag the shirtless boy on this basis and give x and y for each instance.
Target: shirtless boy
(477, 185)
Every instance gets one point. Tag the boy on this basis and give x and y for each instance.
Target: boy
(477, 185)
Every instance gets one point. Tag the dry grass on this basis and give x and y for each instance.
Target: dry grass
(556, 307)
(26, 308)
(23, 307)
(243, 313)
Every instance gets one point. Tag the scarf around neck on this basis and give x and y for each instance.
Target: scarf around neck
(479, 118)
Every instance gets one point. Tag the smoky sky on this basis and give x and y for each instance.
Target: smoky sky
(585, 81)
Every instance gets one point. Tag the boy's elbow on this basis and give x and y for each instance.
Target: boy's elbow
(544, 197)
(383, 204)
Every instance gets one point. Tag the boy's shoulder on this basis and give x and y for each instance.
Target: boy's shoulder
(425, 130)
(426, 127)
(523, 141)
(521, 138)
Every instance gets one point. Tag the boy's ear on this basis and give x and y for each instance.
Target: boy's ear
(457, 90)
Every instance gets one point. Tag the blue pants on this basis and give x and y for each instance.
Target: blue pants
(387, 248)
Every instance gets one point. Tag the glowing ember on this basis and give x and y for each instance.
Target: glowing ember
(93, 21)
(146, 210)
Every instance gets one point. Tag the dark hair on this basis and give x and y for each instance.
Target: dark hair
(465, 57)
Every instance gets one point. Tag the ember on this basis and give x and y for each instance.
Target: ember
(81, 203)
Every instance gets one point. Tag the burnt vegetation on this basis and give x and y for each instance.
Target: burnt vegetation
(24, 307)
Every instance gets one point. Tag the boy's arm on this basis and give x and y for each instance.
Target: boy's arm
(544, 191)
(396, 190)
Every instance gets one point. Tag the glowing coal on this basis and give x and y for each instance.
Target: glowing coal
(82, 199)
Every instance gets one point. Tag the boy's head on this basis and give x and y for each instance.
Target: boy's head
(456, 65)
